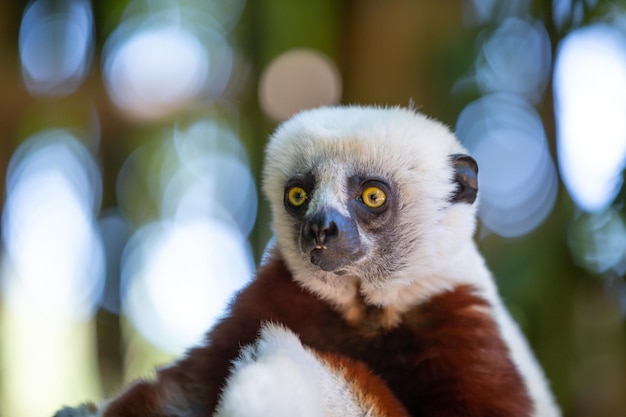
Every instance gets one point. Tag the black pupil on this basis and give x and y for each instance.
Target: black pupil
(298, 196)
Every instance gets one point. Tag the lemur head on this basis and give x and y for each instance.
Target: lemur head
(374, 193)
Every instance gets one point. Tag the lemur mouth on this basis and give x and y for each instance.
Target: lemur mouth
(334, 261)
(331, 240)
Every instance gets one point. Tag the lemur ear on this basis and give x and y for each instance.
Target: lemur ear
(465, 177)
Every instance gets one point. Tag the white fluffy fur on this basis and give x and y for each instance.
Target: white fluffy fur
(279, 377)
(413, 151)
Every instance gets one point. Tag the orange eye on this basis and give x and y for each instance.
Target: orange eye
(296, 196)
(373, 197)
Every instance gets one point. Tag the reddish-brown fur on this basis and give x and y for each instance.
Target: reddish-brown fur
(371, 392)
(445, 358)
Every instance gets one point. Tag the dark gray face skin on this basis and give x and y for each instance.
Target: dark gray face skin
(334, 240)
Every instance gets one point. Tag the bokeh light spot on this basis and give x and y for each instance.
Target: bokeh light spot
(178, 278)
(217, 185)
(155, 70)
(517, 178)
(55, 257)
(297, 80)
(56, 45)
(598, 241)
(515, 58)
(590, 96)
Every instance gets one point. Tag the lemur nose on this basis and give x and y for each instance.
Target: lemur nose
(321, 228)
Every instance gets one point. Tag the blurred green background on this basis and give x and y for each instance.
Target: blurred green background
(131, 141)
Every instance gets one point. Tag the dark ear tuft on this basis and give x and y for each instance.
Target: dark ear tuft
(465, 178)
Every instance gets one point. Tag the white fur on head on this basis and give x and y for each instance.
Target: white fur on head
(399, 144)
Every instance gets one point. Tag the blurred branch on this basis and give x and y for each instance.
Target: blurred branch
(547, 104)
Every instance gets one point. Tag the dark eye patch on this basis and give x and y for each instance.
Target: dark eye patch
(368, 215)
(307, 183)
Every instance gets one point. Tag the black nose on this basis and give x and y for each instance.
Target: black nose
(321, 228)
